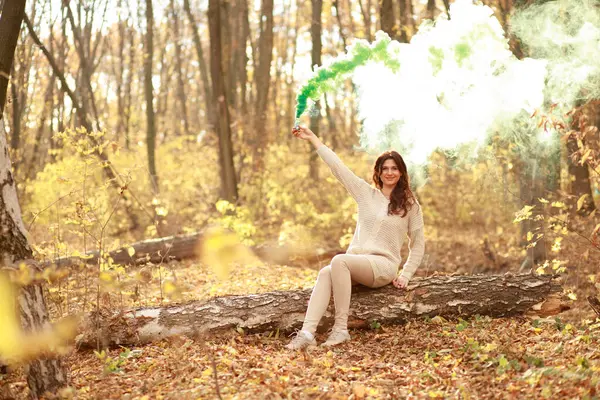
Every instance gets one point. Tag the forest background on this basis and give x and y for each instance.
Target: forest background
(129, 121)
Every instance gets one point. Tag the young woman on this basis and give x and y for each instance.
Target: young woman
(386, 214)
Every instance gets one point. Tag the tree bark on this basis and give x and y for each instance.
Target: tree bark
(317, 45)
(128, 84)
(179, 66)
(204, 75)
(10, 26)
(366, 14)
(585, 125)
(336, 5)
(119, 71)
(388, 21)
(223, 126)
(149, 96)
(404, 18)
(262, 83)
(430, 9)
(47, 374)
(16, 115)
(531, 189)
(451, 296)
(85, 61)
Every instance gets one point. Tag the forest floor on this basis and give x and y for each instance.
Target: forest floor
(478, 358)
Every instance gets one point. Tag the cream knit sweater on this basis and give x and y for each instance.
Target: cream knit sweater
(379, 236)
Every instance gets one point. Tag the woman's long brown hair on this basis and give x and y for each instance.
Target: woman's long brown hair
(402, 198)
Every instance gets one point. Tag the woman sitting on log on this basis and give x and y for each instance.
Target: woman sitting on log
(386, 214)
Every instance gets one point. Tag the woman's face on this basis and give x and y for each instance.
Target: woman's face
(390, 174)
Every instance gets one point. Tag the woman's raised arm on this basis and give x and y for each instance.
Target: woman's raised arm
(353, 184)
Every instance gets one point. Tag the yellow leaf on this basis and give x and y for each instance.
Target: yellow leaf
(540, 271)
(557, 244)
(105, 277)
(207, 372)
(10, 332)
(171, 289)
(585, 156)
(523, 214)
(436, 394)
(130, 251)
(220, 249)
(17, 347)
(162, 211)
(489, 347)
(572, 296)
(23, 277)
(542, 200)
(581, 201)
(529, 236)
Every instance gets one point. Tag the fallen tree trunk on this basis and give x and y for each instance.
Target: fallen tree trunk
(449, 296)
(187, 246)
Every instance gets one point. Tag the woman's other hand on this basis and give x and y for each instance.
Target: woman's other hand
(303, 133)
(400, 282)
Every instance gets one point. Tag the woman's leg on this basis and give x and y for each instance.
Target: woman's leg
(346, 268)
(319, 301)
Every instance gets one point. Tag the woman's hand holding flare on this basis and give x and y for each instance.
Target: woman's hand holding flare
(306, 134)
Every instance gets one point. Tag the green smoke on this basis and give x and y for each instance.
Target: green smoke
(381, 50)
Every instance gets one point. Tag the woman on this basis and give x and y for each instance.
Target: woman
(386, 213)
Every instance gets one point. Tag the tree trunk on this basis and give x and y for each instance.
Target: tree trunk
(404, 18)
(48, 374)
(179, 66)
(186, 246)
(85, 61)
(388, 21)
(149, 96)
(16, 114)
(44, 374)
(242, 71)
(430, 9)
(128, 84)
(119, 68)
(531, 189)
(262, 82)
(315, 34)
(366, 14)
(223, 126)
(586, 122)
(210, 112)
(452, 296)
(447, 7)
(291, 103)
(10, 26)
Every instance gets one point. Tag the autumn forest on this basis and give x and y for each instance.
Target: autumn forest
(163, 224)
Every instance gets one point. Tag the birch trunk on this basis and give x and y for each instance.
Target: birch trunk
(44, 374)
(454, 296)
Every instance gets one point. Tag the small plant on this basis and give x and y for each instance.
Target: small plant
(462, 325)
(375, 325)
(113, 364)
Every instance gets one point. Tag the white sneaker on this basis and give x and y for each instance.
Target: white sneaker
(301, 341)
(336, 337)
